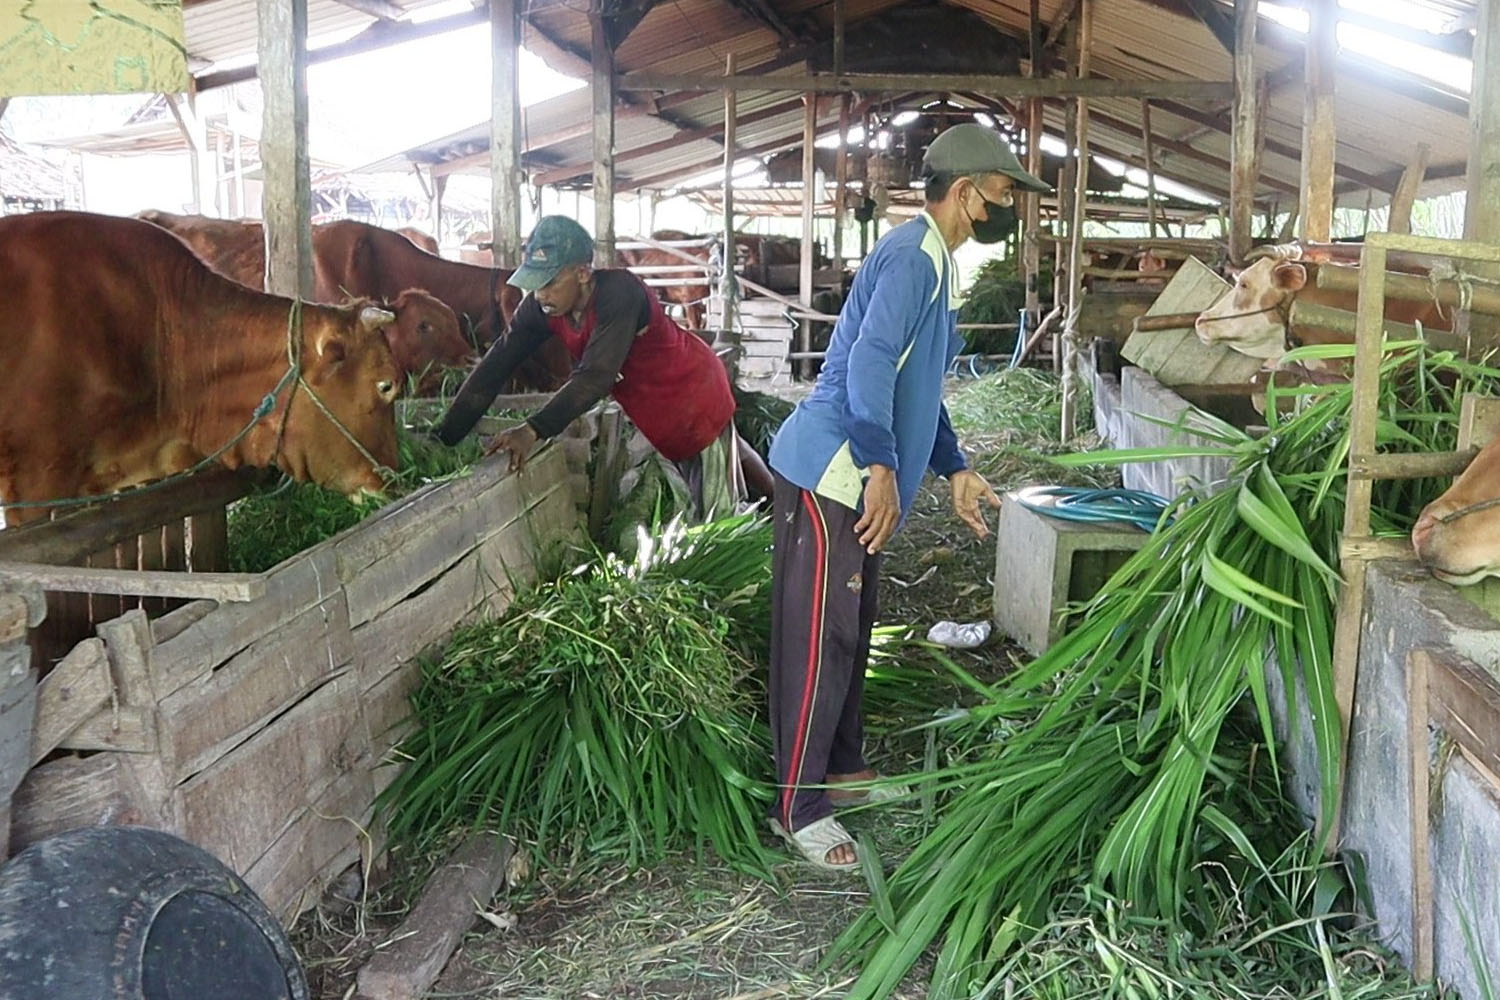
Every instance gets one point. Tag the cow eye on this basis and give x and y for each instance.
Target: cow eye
(384, 387)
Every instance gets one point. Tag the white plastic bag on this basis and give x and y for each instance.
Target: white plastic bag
(956, 636)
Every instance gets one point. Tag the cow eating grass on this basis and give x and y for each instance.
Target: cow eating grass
(125, 359)
(1457, 536)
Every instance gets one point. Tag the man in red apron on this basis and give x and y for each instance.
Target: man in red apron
(669, 383)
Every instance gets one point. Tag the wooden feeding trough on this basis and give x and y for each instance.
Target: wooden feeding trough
(253, 720)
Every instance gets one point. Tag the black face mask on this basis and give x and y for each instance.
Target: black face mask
(999, 222)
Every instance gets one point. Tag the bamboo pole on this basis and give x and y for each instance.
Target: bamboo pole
(603, 100)
(1071, 345)
(1151, 203)
(1410, 288)
(1405, 194)
(805, 270)
(841, 181)
(1031, 255)
(729, 336)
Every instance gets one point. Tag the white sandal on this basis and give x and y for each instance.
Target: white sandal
(816, 839)
(876, 795)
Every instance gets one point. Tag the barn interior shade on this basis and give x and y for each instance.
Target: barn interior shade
(92, 47)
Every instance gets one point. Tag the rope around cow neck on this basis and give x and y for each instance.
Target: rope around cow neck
(263, 409)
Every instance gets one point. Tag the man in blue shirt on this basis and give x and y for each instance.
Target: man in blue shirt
(848, 463)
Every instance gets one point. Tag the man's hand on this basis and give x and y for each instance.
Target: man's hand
(518, 440)
(882, 509)
(969, 488)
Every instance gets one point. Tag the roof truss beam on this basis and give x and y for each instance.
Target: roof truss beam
(380, 10)
(868, 83)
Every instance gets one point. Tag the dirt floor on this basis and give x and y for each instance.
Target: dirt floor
(693, 928)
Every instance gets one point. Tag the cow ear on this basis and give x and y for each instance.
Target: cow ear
(1289, 277)
(372, 318)
(331, 347)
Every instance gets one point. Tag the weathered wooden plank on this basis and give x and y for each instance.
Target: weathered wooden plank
(291, 589)
(137, 582)
(127, 728)
(128, 640)
(206, 717)
(445, 911)
(73, 536)
(451, 531)
(237, 807)
(386, 706)
(74, 691)
(171, 624)
(290, 875)
(69, 793)
(17, 715)
(1466, 704)
(17, 614)
(1478, 420)
(404, 630)
(208, 541)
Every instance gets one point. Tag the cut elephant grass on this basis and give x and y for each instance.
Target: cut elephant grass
(611, 712)
(267, 528)
(1103, 760)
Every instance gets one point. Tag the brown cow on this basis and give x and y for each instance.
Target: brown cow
(689, 295)
(424, 339)
(1252, 316)
(420, 239)
(123, 359)
(1457, 536)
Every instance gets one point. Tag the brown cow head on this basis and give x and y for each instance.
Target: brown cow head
(1456, 536)
(425, 336)
(1251, 316)
(347, 363)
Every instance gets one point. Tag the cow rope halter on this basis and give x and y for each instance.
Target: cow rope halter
(263, 409)
(1282, 308)
(294, 374)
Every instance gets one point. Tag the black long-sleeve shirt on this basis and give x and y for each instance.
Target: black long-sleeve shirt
(622, 313)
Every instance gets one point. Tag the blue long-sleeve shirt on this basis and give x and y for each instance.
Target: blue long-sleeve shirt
(879, 398)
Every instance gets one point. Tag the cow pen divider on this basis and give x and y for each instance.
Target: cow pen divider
(256, 723)
(1357, 546)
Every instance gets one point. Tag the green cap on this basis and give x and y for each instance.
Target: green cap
(971, 148)
(556, 242)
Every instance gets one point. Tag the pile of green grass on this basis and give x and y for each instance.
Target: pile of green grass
(612, 712)
(267, 528)
(1106, 761)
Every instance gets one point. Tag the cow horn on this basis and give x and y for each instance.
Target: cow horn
(373, 317)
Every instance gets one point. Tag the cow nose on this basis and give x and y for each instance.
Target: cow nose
(1427, 522)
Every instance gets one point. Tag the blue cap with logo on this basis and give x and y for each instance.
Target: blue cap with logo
(556, 242)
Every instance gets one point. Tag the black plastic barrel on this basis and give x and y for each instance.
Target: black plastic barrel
(127, 913)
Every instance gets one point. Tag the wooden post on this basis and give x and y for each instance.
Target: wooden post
(1031, 250)
(1071, 345)
(239, 175)
(729, 292)
(805, 271)
(1244, 170)
(1151, 202)
(506, 177)
(1405, 194)
(1318, 125)
(195, 135)
(603, 88)
(221, 183)
(1482, 207)
(841, 180)
(838, 37)
(286, 202)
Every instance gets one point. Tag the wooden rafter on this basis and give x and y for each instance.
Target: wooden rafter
(381, 10)
(1216, 19)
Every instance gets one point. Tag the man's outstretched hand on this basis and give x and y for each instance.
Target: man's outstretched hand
(518, 440)
(969, 489)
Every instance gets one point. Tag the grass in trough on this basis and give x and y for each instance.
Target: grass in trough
(266, 528)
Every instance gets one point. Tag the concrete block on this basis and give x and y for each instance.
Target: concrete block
(1044, 564)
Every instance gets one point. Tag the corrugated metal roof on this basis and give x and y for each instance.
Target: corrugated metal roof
(1377, 125)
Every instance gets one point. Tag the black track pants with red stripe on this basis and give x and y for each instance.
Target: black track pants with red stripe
(824, 602)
